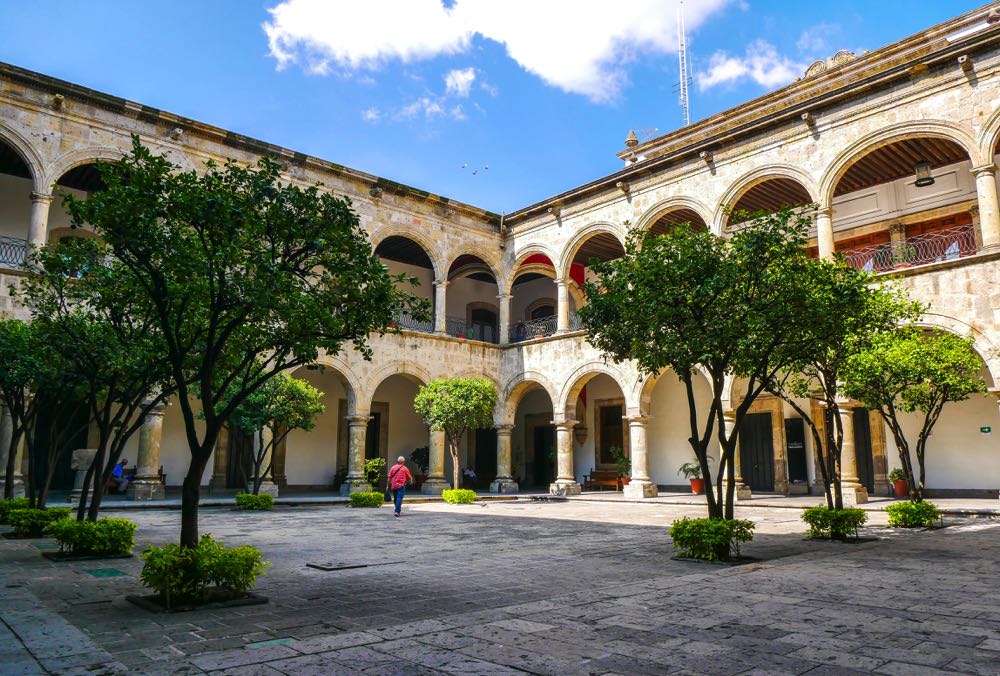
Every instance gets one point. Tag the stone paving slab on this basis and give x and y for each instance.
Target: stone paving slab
(517, 587)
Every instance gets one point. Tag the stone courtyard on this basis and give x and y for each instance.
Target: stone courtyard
(522, 586)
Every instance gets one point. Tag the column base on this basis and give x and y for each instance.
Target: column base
(142, 489)
(854, 494)
(355, 486)
(504, 485)
(743, 492)
(434, 487)
(563, 488)
(266, 488)
(640, 489)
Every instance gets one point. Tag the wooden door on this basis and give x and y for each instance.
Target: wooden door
(863, 449)
(757, 452)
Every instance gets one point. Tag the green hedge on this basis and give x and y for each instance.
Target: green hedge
(913, 514)
(254, 502)
(459, 496)
(187, 575)
(367, 499)
(13, 503)
(833, 524)
(106, 537)
(710, 539)
(32, 522)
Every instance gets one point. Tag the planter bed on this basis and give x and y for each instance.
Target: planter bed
(67, 557)
(11, 535)
(741, 561)
(154, 603)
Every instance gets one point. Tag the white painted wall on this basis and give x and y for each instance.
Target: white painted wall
(406, 429)
(584, 455)
(15, 206)
(669, 428)
(175, 455)
(535, 402)
(526, 293)
(311, 457)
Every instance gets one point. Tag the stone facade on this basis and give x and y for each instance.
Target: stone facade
(810, 133)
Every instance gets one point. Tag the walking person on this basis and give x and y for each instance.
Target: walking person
(399, 478)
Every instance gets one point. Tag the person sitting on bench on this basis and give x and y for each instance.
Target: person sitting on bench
(119, 479)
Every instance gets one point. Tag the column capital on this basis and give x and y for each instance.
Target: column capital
(824, 211)
(984, 169)
(504, 297)
(357, 420)
(443, 283)
(560, 282)
(636, 420)
(895, 227)
(995, 391)
(505, 428)
(566, 424)
(729, 414)
(40, 198)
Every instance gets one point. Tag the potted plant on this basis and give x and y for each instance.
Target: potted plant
(692, 472)
(622, 463)
(903, 255)
(421, 457)
(900, 486)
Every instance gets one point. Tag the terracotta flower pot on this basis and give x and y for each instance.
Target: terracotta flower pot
(901, 488)
(697, 486)
(625, 480)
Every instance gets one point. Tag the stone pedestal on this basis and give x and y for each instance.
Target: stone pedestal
(267, 487)
(146, 485)
(504, 483)
(565, 483)
(435, 483)
(640, 485)
(80, 463)
(357, 426)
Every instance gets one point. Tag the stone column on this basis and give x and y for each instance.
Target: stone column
(440, 306)
(989, 211)
(824, 233)
(436, 481)
(742, 490)
(897, 240)
(562, 306)
(565, 483)
(146, 485)
(639, 485)
(977, 230)
(504, 318)
(6, 434)
(357, 426)
(267, 484)
(504, 483)
(850, 483)
(80, 462)
(38, 226)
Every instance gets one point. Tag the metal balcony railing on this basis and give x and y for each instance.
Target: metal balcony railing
(13, 251)
(460, 328)
(406, 321)
(931, 247)
(544, 326)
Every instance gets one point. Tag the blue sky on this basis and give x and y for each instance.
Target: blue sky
(543, 93)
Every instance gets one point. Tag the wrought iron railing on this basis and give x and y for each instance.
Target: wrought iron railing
(461, 328)
(535, 328)
(574, 322)
(406, 321)
(931, 247)
(13, 251)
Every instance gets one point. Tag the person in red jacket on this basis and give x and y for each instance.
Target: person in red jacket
(399, 479)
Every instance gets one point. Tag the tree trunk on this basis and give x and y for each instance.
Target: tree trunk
(8, 483)
(190, 495)
(81, 508)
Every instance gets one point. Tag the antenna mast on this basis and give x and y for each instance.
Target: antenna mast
(682, 57)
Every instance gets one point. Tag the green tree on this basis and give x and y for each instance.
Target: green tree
(276, 408)
(103, 328)
(732, 309)
(914, 371)
(847, 312)
(456, 405)
(247, 277)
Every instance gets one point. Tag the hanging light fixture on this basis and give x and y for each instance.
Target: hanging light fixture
(923, 173)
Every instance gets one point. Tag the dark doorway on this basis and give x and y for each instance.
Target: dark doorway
(372, 447)
(239, 452)
(483, 325)
(757, 452)
(863, 449)
(543, 311)
(64, 429)
(544, 443)
(612, 433)
(795, 445)
(486, 457)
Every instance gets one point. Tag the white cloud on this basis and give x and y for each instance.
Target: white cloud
(458, 82)
(426, 106)
(813, 39)
(762, 63)
(579, 48)
(372, 114)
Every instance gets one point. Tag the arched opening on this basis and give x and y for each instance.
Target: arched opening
(671, 218)
(395, 429)
(402, 255)
(533, 302)
(533, 438)
(16, 184)
(601, 435)
(80, 182)
(473, 310)
(905, 203)
(767, 195)
(669, 428)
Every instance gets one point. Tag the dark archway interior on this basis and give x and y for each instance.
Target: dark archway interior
(11, 163)
(472, 267)
(602, 246)
(668, 221)
(403, 250)
(898, 160)
(771, 195)
(85, 178)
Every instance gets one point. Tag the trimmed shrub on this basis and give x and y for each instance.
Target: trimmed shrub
(833, 524)
(913, 514)
(459, 496)
(182, 575)
(254, 502)
(367, 499)
(105, 537)
(710, 539)
(32, 522)
(13, 503)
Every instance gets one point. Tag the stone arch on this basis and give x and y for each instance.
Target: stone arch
(885, 136)
(523, 254)
(516, 388)
(663, 207)
(408, 370)
(642, 393)
(26, 152)
(78, 158)
(348, 378)
(989, 137)
(984, 347)
(489, 261)
(565, 405)
(382, 234)
(580, 238)
(754, 178)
